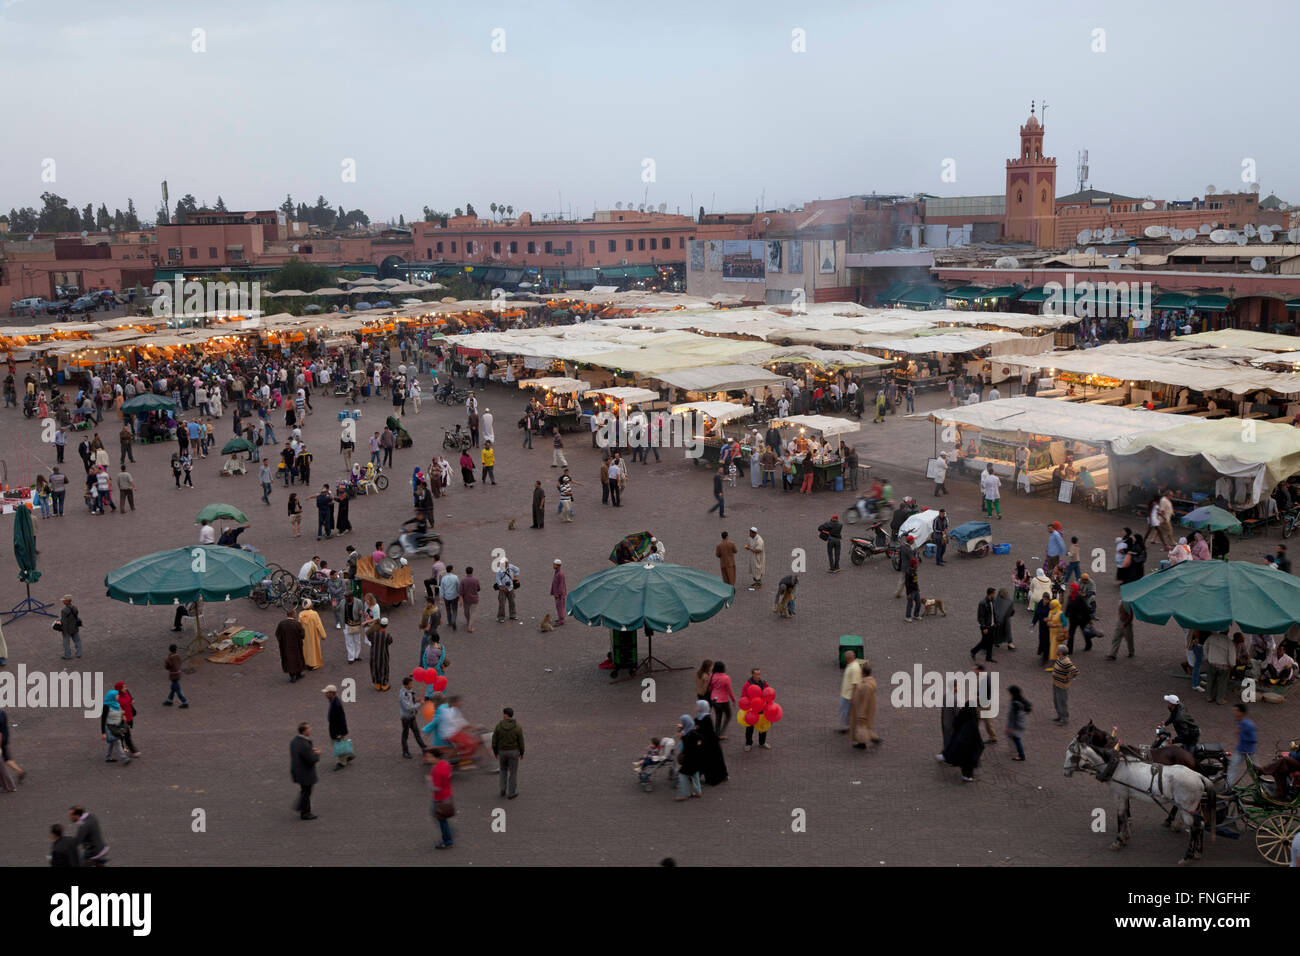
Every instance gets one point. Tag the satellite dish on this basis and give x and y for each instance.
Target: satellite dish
(1265, 234)
(663, 207)
(1007, 262)
(1293, 234)
(1219, 235)
(1113, 263)
(1148, 205)
(1254, 187)
(1241, 240)
(1121, 232)
(1090, 251)
(1204, 229)
(1083, 236)
(84, 234)
(618, 205)
(1108, 233)
(1153, 232)
(1210, 190)
(1214, 225)
(1250, 231)
(295, 247)
(1258, 263)
(1096, 234)
(1176, 235)
(1133, 251)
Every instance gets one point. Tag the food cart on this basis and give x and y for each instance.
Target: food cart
(708, 426)
(806, 429)
(558, 398)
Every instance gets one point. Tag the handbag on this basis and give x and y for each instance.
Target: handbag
(343, 747)
(444, 810)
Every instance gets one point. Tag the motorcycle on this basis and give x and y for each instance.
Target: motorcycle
(451, 395)
(864, 510)
(29, 406)
(1211, 759)
(455, 440)
(875, 540)
(408, 543)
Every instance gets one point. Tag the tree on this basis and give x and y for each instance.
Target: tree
(186, 205)
(300, 275)
(132, 219)
(221, 204)
(88, 217)
(55, 216)
(469, 210)
(73, 223)
(24, 220)
(103, 221)
(459, 212)
(433, 215)
(119, 221)
(510, 210)
(493, 207)
(287, 207)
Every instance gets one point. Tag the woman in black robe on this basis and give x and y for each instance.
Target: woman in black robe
(712, 764)
(967, 744)
(342, 523)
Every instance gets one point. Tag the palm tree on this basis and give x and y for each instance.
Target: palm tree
(510, 211)
(493, 207)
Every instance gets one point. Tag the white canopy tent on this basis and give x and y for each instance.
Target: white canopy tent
(624, 394)
(559, 385)
(718, 411)
(720, 378)
(826, 424)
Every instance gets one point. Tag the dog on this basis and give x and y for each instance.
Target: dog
(547, 624)
(932, 606)
(511, 525)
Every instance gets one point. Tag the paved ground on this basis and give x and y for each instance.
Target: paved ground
(579, 803)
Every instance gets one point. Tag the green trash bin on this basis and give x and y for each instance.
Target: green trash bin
(850, 642)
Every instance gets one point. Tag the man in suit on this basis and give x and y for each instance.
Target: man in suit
(303, 758)
(89, 837)
(988, 624)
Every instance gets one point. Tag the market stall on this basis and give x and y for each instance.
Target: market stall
(801, 436)
(558, 396)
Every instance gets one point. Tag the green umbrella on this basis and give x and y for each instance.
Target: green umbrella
(216, 512)
(1211, 595)
(25, 554)
(662, 597)
(236, 445)
(205, 572)
(1211, 518)
(148, 403)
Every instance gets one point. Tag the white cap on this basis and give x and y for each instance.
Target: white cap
(1171, 699)
(383, 621)
(557, 561)
(753, 529)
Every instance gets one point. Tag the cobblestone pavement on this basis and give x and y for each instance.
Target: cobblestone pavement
(579, 801)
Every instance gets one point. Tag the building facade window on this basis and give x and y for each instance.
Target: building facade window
(547, 247)
(654, 242)
(613, 245)
(496, 248)
(453, 248)
(532, 248)
(514, 247)
(668, 242)
(212, 252)
(591, 245)
(568, 245)
(628, 246)
(439, 248)
(194, 252)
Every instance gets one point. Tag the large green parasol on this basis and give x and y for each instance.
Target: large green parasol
(148, 403)
(25, 555)
(1211, 595)
(217, 512)
(662, 597)
(1211, 518)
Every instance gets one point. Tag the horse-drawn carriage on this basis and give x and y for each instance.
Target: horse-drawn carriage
(1255, 805)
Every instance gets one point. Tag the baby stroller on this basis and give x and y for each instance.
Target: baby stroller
(972, 538)
(650, 765)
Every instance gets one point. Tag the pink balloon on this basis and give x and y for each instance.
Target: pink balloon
(769, 693)
(773, 712)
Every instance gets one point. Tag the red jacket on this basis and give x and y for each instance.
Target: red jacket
(440, 780)
(124, 698)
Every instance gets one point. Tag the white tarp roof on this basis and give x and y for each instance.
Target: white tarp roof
(625, 394)
(825, 424)
(1093, 424)
(1200, 369)
(720, 378)
(829, 358)
(953, 343)
(1015, 321)
(559, 385)
(1245, 338)
(721, 411)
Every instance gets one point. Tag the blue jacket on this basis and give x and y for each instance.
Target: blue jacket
(1247, 736)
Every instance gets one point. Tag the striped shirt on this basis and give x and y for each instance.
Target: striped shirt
(1064, 671)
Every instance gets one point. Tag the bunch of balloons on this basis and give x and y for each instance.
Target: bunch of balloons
(758, 708)
(431, 677)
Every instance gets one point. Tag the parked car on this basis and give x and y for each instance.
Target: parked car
(87, 303)
(29, 306)
(53, 306)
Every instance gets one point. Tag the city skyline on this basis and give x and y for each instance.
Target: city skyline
(727, 112)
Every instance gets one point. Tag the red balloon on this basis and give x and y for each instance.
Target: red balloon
(773, 712)
(440, 683)
(751, 717)
(769, 693)
(420, 674)
(744, 703)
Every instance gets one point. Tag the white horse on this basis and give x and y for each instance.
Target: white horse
(1174, 789)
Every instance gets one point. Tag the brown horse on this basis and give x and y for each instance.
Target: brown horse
(1168, 756)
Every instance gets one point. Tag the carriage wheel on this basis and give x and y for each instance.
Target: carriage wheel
(981, 550)
(381, 482)
(1273, 837)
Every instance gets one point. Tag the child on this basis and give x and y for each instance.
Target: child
(187, 465)
(654, 755)
(1020, 580)
(731, 474)
(173, 665)
(1072, 556)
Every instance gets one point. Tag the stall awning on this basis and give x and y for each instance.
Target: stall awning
(513, 276)
(1171, 300)
(719, 411)
(966, 293)
(827, 425)
(1093, 424)
(624, 394)
(921, 295)
(1036, 294)
(1001, 292)
(627, 272)
(890, 295)
(580, 275)
(494, 275)
(1293, 305)
(1211, 303)
(558, 384)
(719, 378)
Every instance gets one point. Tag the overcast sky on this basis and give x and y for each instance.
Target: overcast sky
(585, 92)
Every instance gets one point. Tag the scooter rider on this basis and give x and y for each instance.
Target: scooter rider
(906, 509)
(1185, 730)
